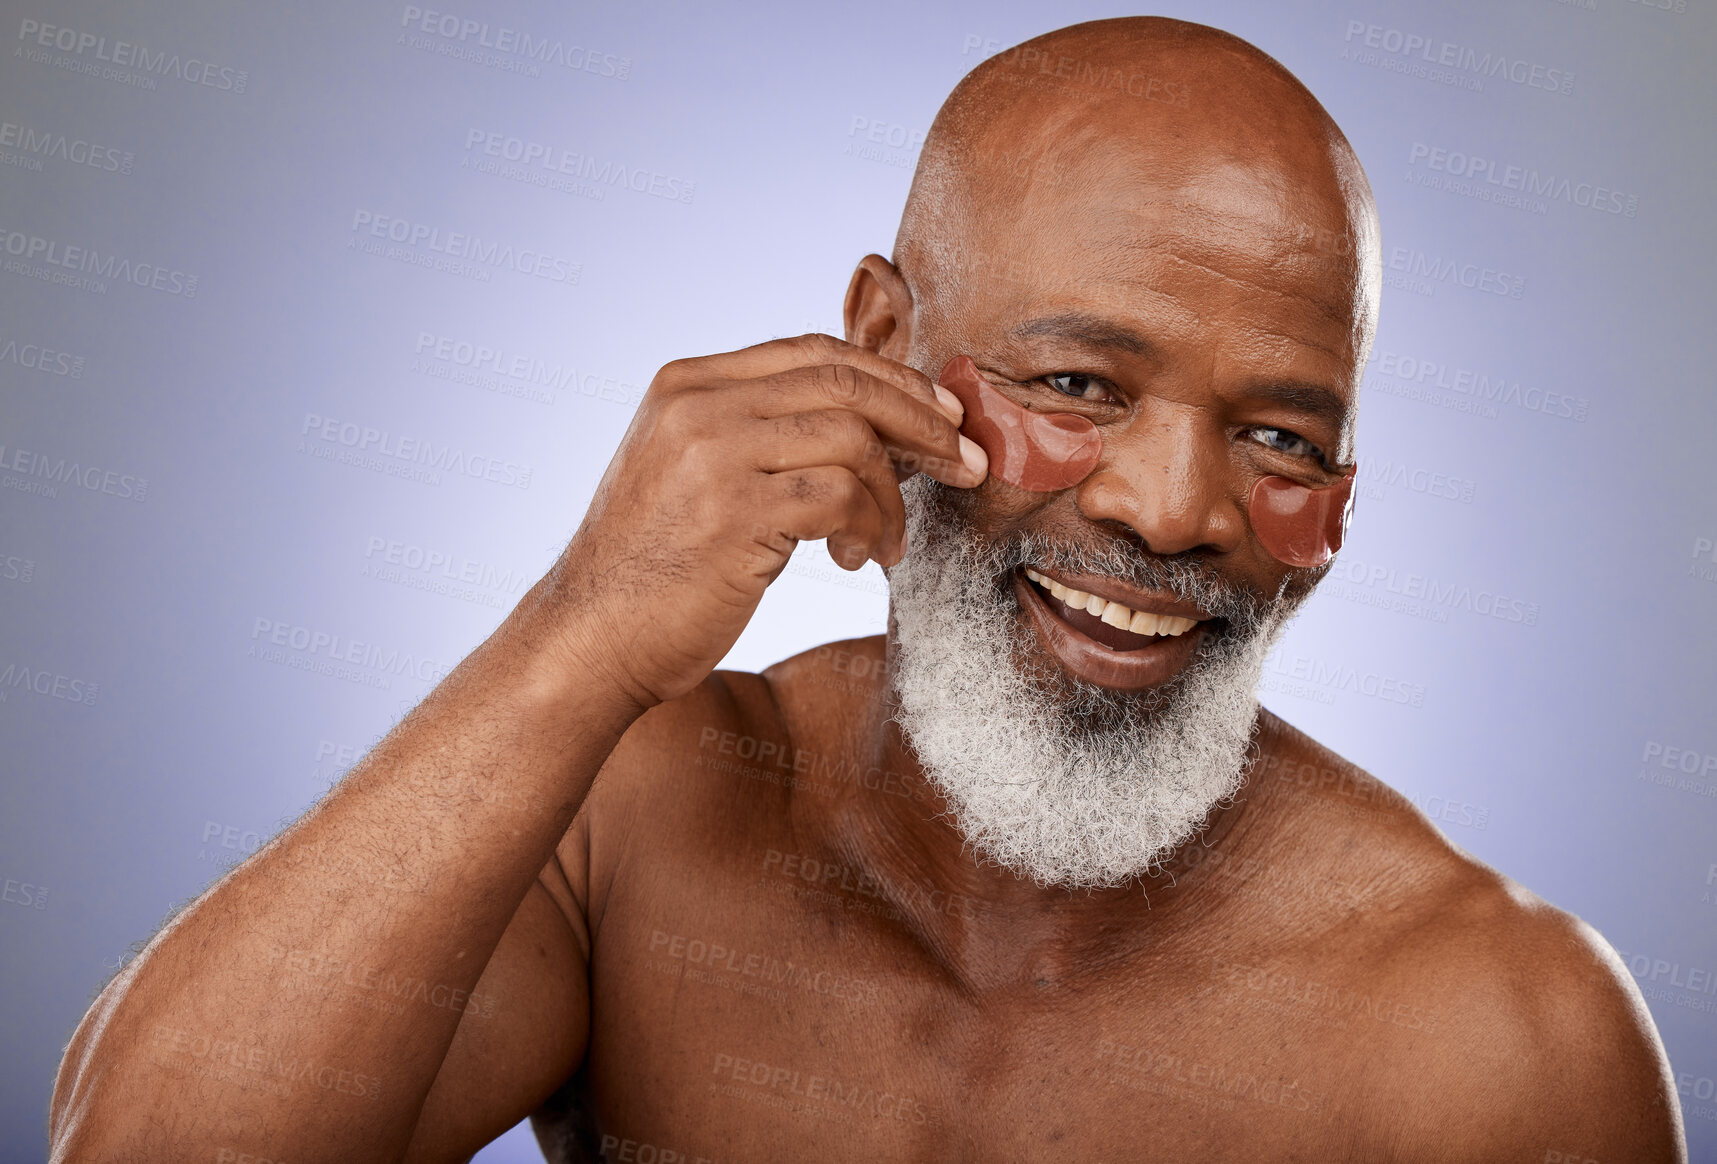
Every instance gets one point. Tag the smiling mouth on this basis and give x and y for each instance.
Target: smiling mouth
(1110, 624)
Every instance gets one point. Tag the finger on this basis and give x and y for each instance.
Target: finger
(835, 436)
(828, 501)
(918, 438)
(782, 355)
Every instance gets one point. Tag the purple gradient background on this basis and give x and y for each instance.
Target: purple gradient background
(1533, 743)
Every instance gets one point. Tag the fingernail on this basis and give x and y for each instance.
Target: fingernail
(950, 404)
(976, 459)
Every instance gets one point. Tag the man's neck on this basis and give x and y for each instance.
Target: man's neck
(989, 926)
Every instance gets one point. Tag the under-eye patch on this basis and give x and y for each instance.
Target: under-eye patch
(1039, 451)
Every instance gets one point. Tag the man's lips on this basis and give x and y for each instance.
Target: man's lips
(1100, 652)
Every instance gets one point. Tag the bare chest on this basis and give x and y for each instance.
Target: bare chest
(752, 1018)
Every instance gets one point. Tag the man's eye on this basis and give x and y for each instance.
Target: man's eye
(1076, 384)
(1284, 441)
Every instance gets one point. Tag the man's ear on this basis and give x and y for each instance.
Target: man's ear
(878, 310)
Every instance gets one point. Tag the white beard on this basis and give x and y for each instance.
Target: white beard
(1056, 779)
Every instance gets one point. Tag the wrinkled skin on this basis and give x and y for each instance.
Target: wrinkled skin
(753, 936)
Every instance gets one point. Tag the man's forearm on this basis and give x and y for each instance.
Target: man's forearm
(408, 872)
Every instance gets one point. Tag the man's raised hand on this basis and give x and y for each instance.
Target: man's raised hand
(730, 462)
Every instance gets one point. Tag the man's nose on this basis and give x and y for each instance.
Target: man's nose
(1169, 480)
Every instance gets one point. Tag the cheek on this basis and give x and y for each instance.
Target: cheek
(995, 508)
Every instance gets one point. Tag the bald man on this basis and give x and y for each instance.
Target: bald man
(1018, 881)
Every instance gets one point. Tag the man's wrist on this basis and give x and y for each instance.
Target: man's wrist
(569, 670)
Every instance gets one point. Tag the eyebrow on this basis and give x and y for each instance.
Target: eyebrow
(1313, 400)
(1087, 329)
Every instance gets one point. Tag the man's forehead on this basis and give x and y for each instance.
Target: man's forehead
(1222, 257)
(1133, 204)
(1155, 304)
(1239, 210)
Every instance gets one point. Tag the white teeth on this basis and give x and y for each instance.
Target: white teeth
(1143, 623)
(1115, 614)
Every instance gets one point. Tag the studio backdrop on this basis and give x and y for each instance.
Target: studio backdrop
(320, 321)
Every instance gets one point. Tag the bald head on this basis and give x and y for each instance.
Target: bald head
(1052, 166)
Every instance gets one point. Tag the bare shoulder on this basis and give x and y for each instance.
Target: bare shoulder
(682, 772)
(834, 676)
(681, 750)
(1541, 1047)
(1548, 1041)
(727, 755)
